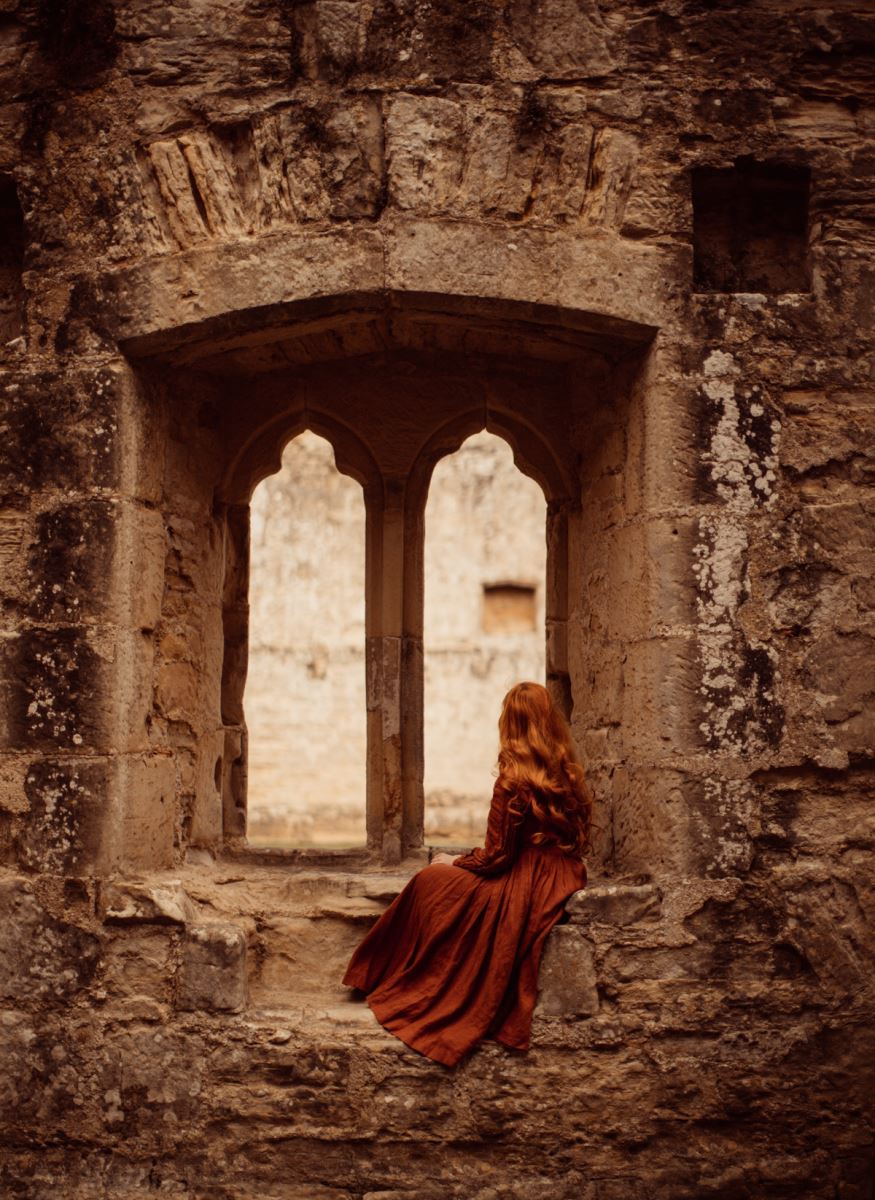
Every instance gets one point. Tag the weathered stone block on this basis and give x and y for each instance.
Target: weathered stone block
(452, 39)
(459, 258)
(196, 561)
(147, 799)
(63, 829)
(131, 902)
(839, 668)
(337, 33)
(140, 1008)
(632, 964)
(841, 534)
(673, 823)
(425, 144)
(59, 433)
(562, 38)
(141, 551)
(567, 978)
(825, 430)
(213, 975)
(51, 679)
(301, 957)
(15, 536)
(660, 708)
(130, 676)
(648, 564)
(206, 817)
(177, 692)
(296, 266)
(70, 560)
(13, 771)
(496, 176)
(95, 813)
(153, 1077)
(138, 962)
(614, 904)
(42, 960)
(566, 160)
(611, 178)
(80, 689)
(353, 160)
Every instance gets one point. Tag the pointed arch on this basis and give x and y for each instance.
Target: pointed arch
(261, 453)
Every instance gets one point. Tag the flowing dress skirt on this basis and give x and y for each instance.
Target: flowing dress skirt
(455, 956)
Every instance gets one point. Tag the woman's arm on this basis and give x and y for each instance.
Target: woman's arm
(502, 840)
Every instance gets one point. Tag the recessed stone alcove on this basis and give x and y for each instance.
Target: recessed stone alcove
(394, 382)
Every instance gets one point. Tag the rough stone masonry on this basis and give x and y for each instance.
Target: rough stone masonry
(633, 238)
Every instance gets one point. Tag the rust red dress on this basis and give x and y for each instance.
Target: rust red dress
(455, 956)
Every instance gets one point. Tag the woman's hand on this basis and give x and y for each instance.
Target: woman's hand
(446, 859)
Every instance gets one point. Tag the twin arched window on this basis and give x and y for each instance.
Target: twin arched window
(305, 698)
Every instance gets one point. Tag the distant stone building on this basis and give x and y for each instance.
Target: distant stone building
(485, 559)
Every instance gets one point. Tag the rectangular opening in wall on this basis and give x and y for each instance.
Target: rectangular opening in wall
(750, 227)
(509, 607)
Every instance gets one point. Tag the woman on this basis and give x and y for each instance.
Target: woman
(454, 958)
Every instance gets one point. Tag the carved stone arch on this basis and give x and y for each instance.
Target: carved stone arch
(261, 454)
(532, 454)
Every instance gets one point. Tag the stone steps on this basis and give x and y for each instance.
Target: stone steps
(302, 927)
(258, 940)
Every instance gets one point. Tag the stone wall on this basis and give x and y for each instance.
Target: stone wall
(633, 240)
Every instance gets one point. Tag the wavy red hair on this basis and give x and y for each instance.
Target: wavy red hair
(538, 769)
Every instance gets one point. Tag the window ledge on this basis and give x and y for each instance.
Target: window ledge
(356, 858)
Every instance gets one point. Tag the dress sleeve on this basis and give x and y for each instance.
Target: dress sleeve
(502, 840)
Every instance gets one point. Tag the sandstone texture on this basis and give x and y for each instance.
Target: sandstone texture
(634, 240)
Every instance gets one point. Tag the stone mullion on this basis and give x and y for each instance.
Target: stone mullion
(373, 660)
(385, 583)
(556, 616)
(235, 620)
(412, 676)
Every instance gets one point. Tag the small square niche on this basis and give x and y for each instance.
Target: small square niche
(750, 227)
(508, 607)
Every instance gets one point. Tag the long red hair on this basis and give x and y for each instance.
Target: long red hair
(538, 769)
